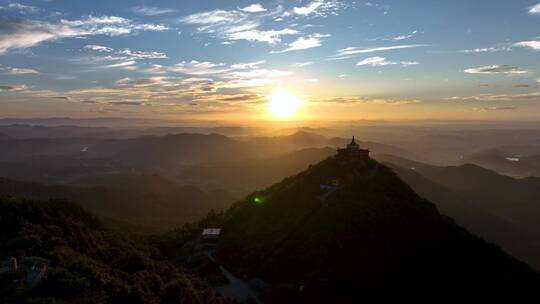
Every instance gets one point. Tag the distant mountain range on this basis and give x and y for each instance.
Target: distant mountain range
(509, 163)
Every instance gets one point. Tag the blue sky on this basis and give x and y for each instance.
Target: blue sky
(221, 59)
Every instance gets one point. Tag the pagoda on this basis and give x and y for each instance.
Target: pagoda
(353, 152)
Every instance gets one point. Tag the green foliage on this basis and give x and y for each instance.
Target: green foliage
(87, 263)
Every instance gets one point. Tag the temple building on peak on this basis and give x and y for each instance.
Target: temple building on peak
(353, 153)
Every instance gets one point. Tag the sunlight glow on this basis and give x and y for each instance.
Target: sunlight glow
(283, 104)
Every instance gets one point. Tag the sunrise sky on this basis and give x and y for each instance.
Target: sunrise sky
(226, 60)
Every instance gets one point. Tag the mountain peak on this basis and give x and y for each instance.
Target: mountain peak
(346, 225)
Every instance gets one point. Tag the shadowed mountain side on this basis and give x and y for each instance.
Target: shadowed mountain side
(523, 244)
(148, 203)
(371, 235)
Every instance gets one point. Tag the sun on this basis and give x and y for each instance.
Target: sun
(283, 104)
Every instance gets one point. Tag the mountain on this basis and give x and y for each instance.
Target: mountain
(170, 150)
(66, 256)
(515, 200)
(140, 203)
(363, 233)
(251, 174)
(509, 163)
(304, 140)
(503, 215)
(25, 131)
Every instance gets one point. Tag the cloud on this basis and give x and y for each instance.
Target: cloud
(248, 65)
(505, 108)
(367, 100)
(485, 50)
(254, 8)
(22, 33)
(302, 43)
(151, 11)
(382, 61)
(195, 67)
(142, 54)
(496, 69)
(535, 96)
(350, 52)
(98, 48)
(535, 45)
(24, 8)
(309, 9)
(111, 25)
(18, 33)
(214, 17)
(404, 37)
(127, 65)
(319, 8)
(302, 64)
(535, 9)
(235, 25)
(271, 37)
(21, 71)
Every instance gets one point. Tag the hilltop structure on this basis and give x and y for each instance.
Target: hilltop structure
(353, 153)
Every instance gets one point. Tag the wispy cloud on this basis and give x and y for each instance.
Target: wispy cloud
(535, 9)
(351, 52)
(496, 69)
(151, 11)
(498, 97)
(320, 8)
(302, 64)
(533, 44)
(127, 65)
(236, 25)
(382, 61)
(404, 37)
(98, 48)
(21, 33)
(254, 8)
(485, 50)
(21, 71)
(24, 9)
(504, 108)
(303, 43)
(366, 100)
(271, 36)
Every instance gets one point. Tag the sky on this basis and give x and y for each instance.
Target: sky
(222, 60)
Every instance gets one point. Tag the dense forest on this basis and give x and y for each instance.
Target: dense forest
(84, 261)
